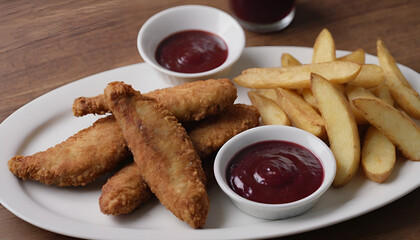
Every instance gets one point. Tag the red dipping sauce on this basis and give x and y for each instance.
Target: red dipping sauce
(274, 172)
(261, 11)
(191, 51)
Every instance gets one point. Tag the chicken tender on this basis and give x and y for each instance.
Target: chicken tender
(126, 190)
(211, 133)
(191, 101)
(78, 160)
(56, 166)
(163, 152)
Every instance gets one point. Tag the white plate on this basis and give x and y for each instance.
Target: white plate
(74, 211)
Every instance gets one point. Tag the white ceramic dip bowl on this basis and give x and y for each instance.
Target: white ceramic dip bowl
(191, 17)
(270, 133)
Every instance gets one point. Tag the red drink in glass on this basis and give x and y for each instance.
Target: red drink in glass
(263, 15)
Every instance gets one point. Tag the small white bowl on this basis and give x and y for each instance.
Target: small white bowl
(282, 133)
(191, 17)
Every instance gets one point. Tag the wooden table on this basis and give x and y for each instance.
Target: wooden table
(46, 44)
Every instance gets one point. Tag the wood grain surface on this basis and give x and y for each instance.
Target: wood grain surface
(45, 44)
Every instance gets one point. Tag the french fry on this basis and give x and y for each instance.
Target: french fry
(406, 97)
(270, 112)
(383, 93)
(355, 92)
(340, 87)
(370, 75)
(378, 156)
(378, 152)
(309, 97)
(387, 62)
(324, 47)
(269, 93)
(395, 125)
(357, 56)
(300, 112)
(289, 60)
(295, 77)
(341, 128)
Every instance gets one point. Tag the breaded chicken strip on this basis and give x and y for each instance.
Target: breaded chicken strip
(56, 166)
(190, 101)
(78, 160)
(211, 133)
(163, 151)
(126, 190)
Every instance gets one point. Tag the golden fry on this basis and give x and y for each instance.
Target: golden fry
(324, 47)
(383, 93)
(289, 60)
(341, 128)
(357, 56)
(355, 92)
(309, 97)
(378, 156)
(370, 75)
(406, 97)
(300, 112)
(271, 113)
(395, 125)
(295, 77)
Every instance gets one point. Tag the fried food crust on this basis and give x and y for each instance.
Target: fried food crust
(126, 191)
(191, 101)
(163, 151)
(211, 133)
(78, 160)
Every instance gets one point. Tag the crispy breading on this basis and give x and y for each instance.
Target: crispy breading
(56, 166)
(163, 152)
(125, 191)
(211, 133)
(190, 101)
(78, 160)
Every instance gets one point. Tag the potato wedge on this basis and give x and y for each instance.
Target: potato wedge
(341, 128)
(402, 92)
(370, 75)
(268, 93)
(383, 93)
(300, 112)
(378, 156)
(289, 60)
(270, 112)
(407, 98)
(308, 96)
(395, 125)
(324, 47)
(357, 56)
(353, 92)
(340, 87)
(295, 77)
(388, 64)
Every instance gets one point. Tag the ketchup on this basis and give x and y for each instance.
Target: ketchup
(274, 172)
(191, 51)
(261, 11)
